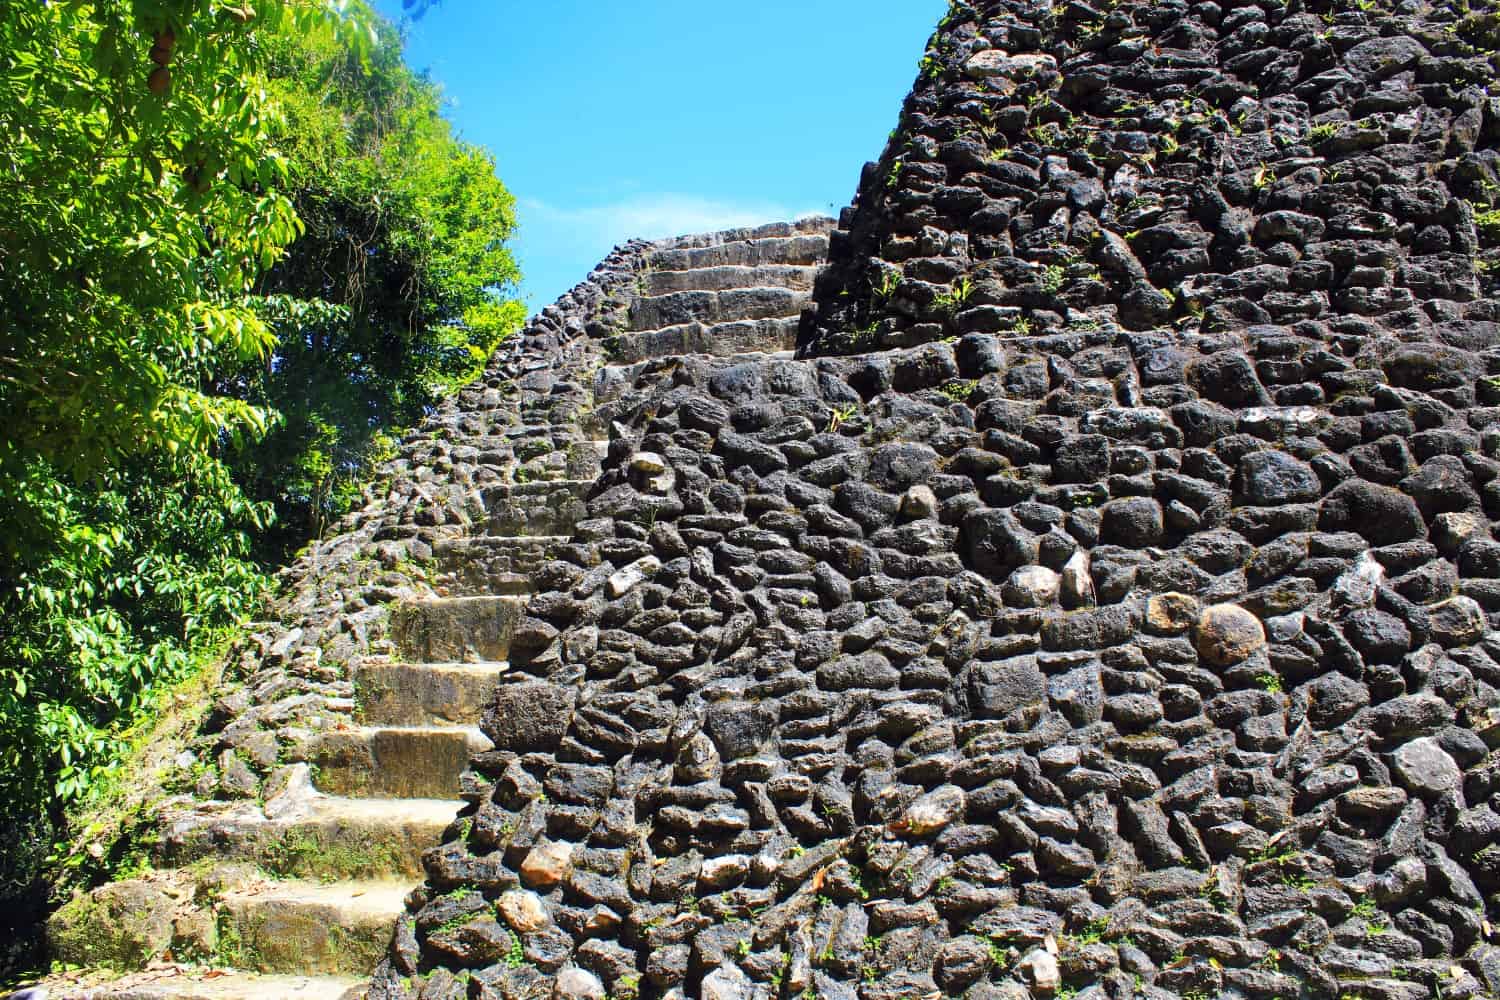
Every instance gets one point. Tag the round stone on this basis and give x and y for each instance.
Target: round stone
(1134, 522)
(1457, 621)
(547, 864)
(933, 811)
(1228, 634)
(1172, 613)
(1031, 587)
(1272, 478)
(573, 983)
(1424, 768)
(919, 502)
(523, 910)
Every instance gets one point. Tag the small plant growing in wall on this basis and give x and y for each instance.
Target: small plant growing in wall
(1053, 279)
(516, 956)
(890, 281)
(956, 297)
(839, 415)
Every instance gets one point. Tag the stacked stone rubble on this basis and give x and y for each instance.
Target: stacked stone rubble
(1122, 628)
(1202, 166)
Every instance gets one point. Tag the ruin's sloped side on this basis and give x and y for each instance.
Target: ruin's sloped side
(1196, 166)
(1124, 634)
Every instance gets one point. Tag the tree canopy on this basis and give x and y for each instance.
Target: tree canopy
(239, 247)
(391, 296)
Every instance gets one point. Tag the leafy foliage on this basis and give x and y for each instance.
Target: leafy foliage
(393, 295)
(149, 181)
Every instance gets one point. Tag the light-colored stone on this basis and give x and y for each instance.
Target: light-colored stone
(1424, 767)
(1228, 634)
(1038, 969)
(919, 502)
(627, 578)
(574, 983)
(1077, 584)
(601, 921)
(1172, 613)
(726, 982)
(547, 864)
(723, 872)
(1356, 586)
(647, 463)
(523, 910)
(1277, 422)
(651, 472)
(1032, 587)
(999, 63)
(1452, 529)
(933, 811)
(1458, 621)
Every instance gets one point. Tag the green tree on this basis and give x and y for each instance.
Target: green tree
(396, 291)
(140, 199)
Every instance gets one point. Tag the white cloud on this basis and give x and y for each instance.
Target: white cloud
(655, 216)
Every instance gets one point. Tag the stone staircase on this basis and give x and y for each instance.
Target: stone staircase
(329, 867)
(298, 896)
(729, 293)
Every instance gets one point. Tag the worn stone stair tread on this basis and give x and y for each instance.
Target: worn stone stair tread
(731, 276)
(727, 306)
(799, 249)
(372, 897)
(396, 693)
(313, 929)
(386, 762)
(214, 984)
(715, 339)
(311, 835)
(449, 629)
(811, 224)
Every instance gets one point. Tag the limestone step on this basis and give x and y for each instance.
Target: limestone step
(812, 224)
(423, 694)
(485, 564)
(318, 837)
(391, 762)
(805, 249)
(302, 928)
(178, 983)
(545, 508)
(455, 629)
(720, 339)
(718, 279)
(765, 302)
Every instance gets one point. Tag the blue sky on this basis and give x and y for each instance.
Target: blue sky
(660, 117)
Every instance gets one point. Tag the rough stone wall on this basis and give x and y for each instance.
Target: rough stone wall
(964, 670)
(1202, 166)
(1122, 630)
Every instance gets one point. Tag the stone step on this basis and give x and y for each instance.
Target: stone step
(455, 629)
(719, 339)
(423, 694)
(309, 929)
(179, 983)
(318, 837)
(715, 307)
(489, 565)
(718, 279)
(391, 762)
(811, 225)
(545, 508)
(807, 249)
